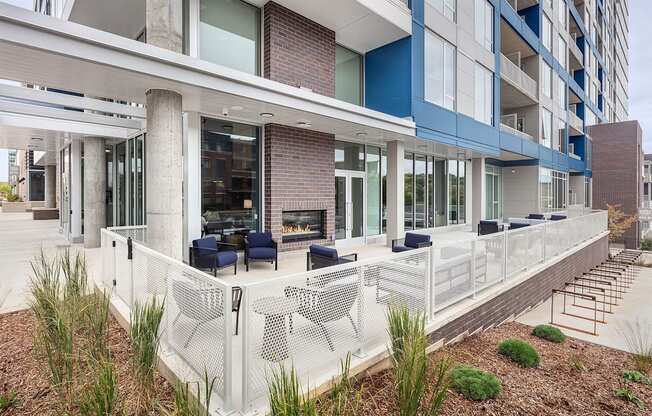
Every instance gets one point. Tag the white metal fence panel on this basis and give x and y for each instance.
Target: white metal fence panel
(491, 248)
(123, 277)
(454, 270)
(108, 259)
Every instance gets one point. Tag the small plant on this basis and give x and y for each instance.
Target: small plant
(340, 395)
(475, 384)
(638, 337)
(96, 322)
(101, 397)
(549, 333)
(12, 197)
(637, 377)
(284, 396)
(577, 363)
(186, 405)
(144, 333)
(410, 363)
(627, 395)
(8, 399)
(520, 352)
(646, 244)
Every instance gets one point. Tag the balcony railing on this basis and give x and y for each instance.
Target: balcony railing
(508, 129)
(519, 79)
(198, 332)
(575, 122)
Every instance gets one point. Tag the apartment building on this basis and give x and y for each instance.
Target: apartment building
(645, 210)
(482, 113)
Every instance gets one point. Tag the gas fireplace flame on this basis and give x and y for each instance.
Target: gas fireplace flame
(291, 229)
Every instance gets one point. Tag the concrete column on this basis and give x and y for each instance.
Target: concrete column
(94, 190)
(50, 186)
(192, 178)
(75, 191)
(478, 192)
(57, 184)
(395, 191)
(164, 142)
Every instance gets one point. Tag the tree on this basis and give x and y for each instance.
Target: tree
(619, 222)
(5, 189)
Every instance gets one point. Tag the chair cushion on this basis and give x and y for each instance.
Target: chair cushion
(398, 249)
(262, 253)
(226, 258)
(318, 250)
(207, 242)
(535, 217)
(557, 217)
(260, 239)
(514, 225)
(413, 239)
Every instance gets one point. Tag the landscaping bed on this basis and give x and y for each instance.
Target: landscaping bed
(572, 378)
(22, 372)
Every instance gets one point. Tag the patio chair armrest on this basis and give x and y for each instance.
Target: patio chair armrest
(350, 257)
(304, 296)
(424, 244)
(228, 246)
(397, 241)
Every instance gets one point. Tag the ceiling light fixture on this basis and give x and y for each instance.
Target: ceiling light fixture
(303, 123)
(361, 134)
(237, 107)
(267, 115)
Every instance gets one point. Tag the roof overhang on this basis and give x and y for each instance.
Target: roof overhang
(42, 50)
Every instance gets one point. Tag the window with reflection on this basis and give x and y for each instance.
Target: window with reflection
(348, 75)
(408, 188)
(456, 192)
(420, 192)
(349, 156)
(373, 190)
(229, 179)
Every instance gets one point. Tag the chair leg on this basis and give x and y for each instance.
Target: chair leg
(192, 334)
(247, 264)
(328, 338)
(237, 320)
(235, 267)
(276, 264)
(177, 318)
(355, 328)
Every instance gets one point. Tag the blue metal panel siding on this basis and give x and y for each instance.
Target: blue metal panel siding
(521, 27)
(388, 78)
(532, 17)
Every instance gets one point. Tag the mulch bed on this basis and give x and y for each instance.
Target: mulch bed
(555, 388)
(23, 373)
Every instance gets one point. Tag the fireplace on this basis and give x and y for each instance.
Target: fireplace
(303, 225)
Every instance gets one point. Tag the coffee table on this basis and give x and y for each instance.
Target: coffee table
(275, 309)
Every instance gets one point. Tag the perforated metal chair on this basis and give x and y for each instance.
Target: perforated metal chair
(198, 302)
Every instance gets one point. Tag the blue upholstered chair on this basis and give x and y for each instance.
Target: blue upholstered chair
(209, 254)
(261, 247)
(515, 225)
(410, 242)
(488, 227)
(557, 217)
(320, 256)
(535, 217)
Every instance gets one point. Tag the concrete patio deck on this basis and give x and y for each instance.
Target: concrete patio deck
(21, 238)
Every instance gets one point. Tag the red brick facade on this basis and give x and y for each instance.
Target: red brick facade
(299, 175)
(529, 293)
(617, 170)
(298, 51)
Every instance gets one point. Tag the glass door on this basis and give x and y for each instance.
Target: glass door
(349, 207)
(120, 185)
(65, 191)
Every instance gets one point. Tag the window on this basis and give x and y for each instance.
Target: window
(229, 34)
(420, 192)
(348, 75)
(561, 92)
(440, 193)
(561, 13)
(439, 71)
(349, 156)
(456, 192)
(588, 198)
(445, 7)
(408, 187)
(373, 190)
(229, 178)
(546, 33)
(484, 93)
(484, 24)
(561, 52)
(553, 189)
(561, 135)
(494, 185)
(546, 128)
(546, 80)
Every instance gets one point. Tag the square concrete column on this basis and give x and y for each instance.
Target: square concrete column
(478, 191)
(94, 190)
(76, 191)
(57, 171)
(50, 186)
(395, 191)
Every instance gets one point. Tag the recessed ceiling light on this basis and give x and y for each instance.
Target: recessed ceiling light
(267, 115)
(361, 134)
(303, 123)
(236, 107)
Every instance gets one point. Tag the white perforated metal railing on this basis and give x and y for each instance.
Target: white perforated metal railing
(136, 232)
(197, 325)
(312, 320)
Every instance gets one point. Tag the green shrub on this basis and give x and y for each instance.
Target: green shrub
(637, 377)
(8, 400)
(646, 244)
(11, 197)
(520, 352)
(549, 333)
(475, 384)
(627, 395)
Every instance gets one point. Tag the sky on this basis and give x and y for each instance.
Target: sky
(640, 61)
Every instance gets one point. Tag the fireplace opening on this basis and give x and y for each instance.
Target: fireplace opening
(303, 225)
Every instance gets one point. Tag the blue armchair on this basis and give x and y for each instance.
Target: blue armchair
(489, 227)
(410, 242)
(557, 217)
(320, 256)
(261, 247)
(208, 253)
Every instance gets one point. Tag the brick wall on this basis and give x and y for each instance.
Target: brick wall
(529, 293)
(617, 170)
(299, 175)
(298, 51)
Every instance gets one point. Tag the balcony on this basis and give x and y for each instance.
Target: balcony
(645, 211)
(518, 79)
(576, 55)
(575, 123)
(505, 125)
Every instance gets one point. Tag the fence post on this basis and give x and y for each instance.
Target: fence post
(433, 282)
(228, 347)
(244, 334)
(427, 299)
(545, 241)
(361, 314)
(505, 255)
(130, 256)
(472, 271)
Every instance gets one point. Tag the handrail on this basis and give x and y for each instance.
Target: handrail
(517, 77)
